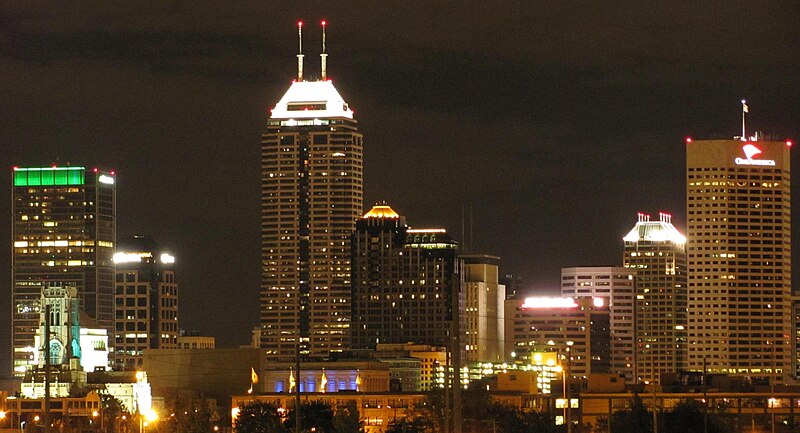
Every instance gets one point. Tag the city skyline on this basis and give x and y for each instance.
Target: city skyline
(546, 122)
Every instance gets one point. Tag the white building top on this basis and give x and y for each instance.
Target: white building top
(311, 100)
(655, 231)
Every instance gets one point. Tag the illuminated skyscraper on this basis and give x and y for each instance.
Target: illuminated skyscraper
(739, 257)
(146, 300)
(656, 252)
(617, 286)
(63, 232)
(311, 197)
(484, 309)
(404, 281)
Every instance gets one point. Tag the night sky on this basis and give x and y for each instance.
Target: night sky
(555, 122)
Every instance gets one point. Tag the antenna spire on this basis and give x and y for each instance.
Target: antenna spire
(300, 51)
(324, 55)
(744, 110)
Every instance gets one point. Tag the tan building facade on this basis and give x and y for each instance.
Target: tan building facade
(483, 317)
(311, 197)
(739, 257)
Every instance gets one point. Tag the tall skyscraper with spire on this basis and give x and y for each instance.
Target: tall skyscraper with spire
(739, 257)
(311, 197)
(656, 252)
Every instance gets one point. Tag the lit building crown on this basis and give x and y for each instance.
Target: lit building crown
(381, 211)
(310, 100)
(655, 231)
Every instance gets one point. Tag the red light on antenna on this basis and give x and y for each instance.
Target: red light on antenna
(299, 24)
(688, 140)
(113, 173)
(95, 170)
(324, 23)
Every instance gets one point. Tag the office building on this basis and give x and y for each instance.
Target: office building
(63, 233)
(311, 197)
(616, 286)
(484, 308)
(577, 329)
(196, 342)
(739, 258)
(404, 282)
(656, 252)
(430, 359)
(146, 300)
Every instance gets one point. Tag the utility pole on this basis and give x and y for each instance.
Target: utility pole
(47, 368)
(297, 424)
(456, 326)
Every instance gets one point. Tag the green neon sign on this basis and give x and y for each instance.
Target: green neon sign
(49, 176)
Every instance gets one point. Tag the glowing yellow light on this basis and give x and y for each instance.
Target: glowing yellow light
(151, 415)
(381, 211)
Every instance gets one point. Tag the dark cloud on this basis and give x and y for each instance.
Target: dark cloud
(554, 121)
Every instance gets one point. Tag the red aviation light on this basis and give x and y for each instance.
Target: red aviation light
(324, 23)
(688, 140)
(789, 143)
(299, 24)
(94, 169)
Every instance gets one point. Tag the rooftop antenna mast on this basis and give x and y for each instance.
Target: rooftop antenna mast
(324, 55)
(300, 51)
(744, 110)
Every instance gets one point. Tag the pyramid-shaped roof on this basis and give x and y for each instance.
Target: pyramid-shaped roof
(311, 100)
(381, 211)
(655, 231)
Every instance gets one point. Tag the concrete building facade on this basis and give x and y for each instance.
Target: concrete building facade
(616, 285)
(484, 310)
(146, 300)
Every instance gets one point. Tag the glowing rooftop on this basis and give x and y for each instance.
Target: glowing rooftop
(655, 231)
(311, 100)
(381, 211)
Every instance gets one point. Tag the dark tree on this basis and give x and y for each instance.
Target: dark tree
(687, 417)
(187, 413)
(635, 419)
(315, 416)
(114, 414)
(259, 418)
(347, 419)
(416, 425)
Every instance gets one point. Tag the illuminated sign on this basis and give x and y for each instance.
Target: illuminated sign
(108, 180)
(549, 303)
(49, 176)
(750, 150)
(167, 258)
